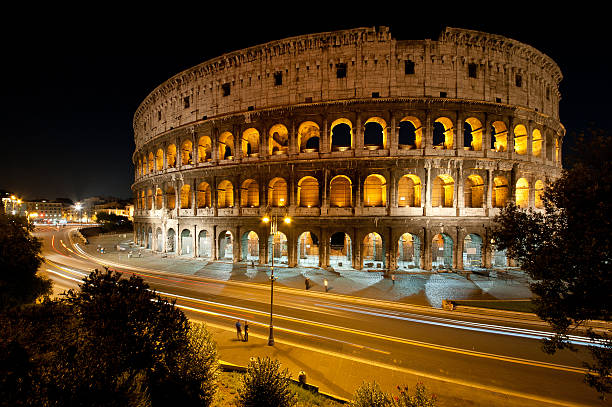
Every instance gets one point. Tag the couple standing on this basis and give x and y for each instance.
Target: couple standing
(239, 331)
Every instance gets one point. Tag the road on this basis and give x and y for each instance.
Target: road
(465, 359)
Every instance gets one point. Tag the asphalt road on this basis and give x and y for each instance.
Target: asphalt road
(468, 360)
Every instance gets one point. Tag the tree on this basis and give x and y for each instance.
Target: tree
(19, 261)
(264, 384)
(566, 251)
(111, 222)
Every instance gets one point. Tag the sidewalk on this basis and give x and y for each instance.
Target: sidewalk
(416, 287)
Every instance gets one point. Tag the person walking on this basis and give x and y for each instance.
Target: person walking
(238, 330)
(246, 331)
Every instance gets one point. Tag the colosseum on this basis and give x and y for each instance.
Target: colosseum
(377, 153)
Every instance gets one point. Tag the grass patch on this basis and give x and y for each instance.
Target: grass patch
(514, 305)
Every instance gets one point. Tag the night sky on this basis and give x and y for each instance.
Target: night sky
(68, 122)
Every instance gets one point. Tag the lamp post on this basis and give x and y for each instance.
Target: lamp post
(273, 232)
(78, 207)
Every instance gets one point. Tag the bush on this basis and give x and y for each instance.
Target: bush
(419, 399)
(370, 395)
(264, 384)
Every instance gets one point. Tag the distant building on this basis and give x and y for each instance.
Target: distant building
(44, 211)
(116, 208)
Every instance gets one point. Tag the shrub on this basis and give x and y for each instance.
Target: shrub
(419, 399)
(264, 384)
(370, 395)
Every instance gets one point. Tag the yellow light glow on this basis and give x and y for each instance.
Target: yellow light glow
(287, 220)
(266, 219)
(34, 215)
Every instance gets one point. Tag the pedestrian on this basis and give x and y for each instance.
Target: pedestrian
(393, 278)
(307, 282)
(246, 331)
(238, 330)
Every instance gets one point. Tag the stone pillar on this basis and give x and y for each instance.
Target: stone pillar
(487, 249)
(236, 246)
(179, 240)
(292, 185)
(323, 189)
(357, 142)
(393, 179)
(324, 145)
(531, 193)
(263, 150)
(426, 250)
(391, 253)
(291, 248)
(489, 188)
(193, 191)
(293, 147)
(356, 244)
(214, 154)
(195, 244)
(459, 142)
(428, 188)
(324, 248)
(486, 137)
(214, 250)
(530, 127)
(237, 143)
(392, 136)
(427, 139)
(460, 200)
(214, 197)
(510, 136)
(458, 254)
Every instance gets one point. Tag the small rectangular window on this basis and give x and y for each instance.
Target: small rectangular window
(498, 100)
(308, 99)
(547, 93)
(340, 70)
(408, 67)
(250, 108)
(375, 94)
(472, 70)
(186, 101)
(278, 78)
(159, 115)
(442, 94)
(226, 89)
(518, 79)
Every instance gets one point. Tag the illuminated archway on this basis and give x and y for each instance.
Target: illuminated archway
(443, 190)
(159, 159)
(171, 241)
(277, 192)
(204, 149)
(308, 192)
(149, 199)
(373, 250)
(186, 242)
(520, 139)
(203, 195)
(409, 251)
(536, 143)
(375, 190)
(250, 142)
(249, 194)
(501, 191)
(278, 140)
(159, 239)
(473, 191)
(249, 246)
(204, 244)
(340, 251)
(226, 246)
(443, 137)
(410, 133)
(340, 192)
(341, 138)
(308, 249)
(442, 251)
(522, 193)
(225, 194)
(226, 146)
(280, 251)
(409, 191)
(309, 137)
(539, 193)
(171, 156)
(151, 163)
(375, 134)
(472, 134)
(159, 198)
(185, 198)
(499, 137)
(187, 152)
(472, 251)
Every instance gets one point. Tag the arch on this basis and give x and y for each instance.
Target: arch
(308, 192)
(373, 251)
(171, 241)
(520, 139)
(159, 198)
(473, 191)
(187, 152)
(277, 192)
(522, 193)
(308, 249)
(249, 246)
(171, 156)
(539, 193)
(204, 149)
(226, 146)
(341, 135)
(340, 251)
(278, 140)
(151, 163)
(142, 201)
(500, 259)
(536, 143)
(204, 244)
(186, 242)
(549, 147)
(149, 237)
(203, 195)
(139, 168)
(250, 142)
(309, 135)
(249, 194)
(472, 134)
(443, 190)
(277, 248)
(159, 159)
(144, 165)
(501, 191)
(159, 238)
(226, 246)
(472, 251)
(149, 199)
(557, 150)
(185, 198)
(409, 251)
(409, 191)
(499, 137)
(375, 190)
(442, 251)
(443, 134)
(410, 133)
(225, 194)
(375, 133)
(341, 192)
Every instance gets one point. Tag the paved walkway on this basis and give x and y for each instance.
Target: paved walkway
(414, 287)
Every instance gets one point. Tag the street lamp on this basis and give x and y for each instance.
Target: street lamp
(273, 232)
(78, 207)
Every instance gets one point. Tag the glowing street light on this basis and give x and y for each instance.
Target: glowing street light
(78, 207)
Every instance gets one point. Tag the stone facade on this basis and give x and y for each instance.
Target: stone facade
(350, 131)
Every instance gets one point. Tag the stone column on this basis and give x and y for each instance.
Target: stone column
(459, 142)
(530, 127)
(324, 145)
(236, 246)
(356, 247)
(324, 248)
(392, 252)
(237, 143)
(458, 254)
(428, 188)
(489, 188)
(392, 136)
(263, 150)
(214, 154)
(393, 196)
(460, 200)
(427, 139)
(195, 244)
(291, 248)
(293, 147)
(214, 243)
(426, 250)
(357, 143)
(214, 197)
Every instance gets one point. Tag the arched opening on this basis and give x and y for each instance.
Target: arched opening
(277, 248)
(159, 198)
(536, 143)
(187, 153)
(410, 133)
(250, 142)
(308, 249)
(409, 251)
(204, 195)
(499, 137)
(139, 169)
(149, 237)
(373, 251)
(472, 251)
(185, 196)
(160, 240)
(443, 134)
(340, 192)
(549, 147)
(204, 244)
(340, 252)
(149, 199)
(442, 194)
(225, 192)
(171, 156)
(151, 163)
(204, 149)
(277, 192)
(499, 258)
(226, 246)
(501, 191)
(309, 137)
(473, 191)
(308, 192)
(522, 193)
(226, 146)
(249, 194)
(472, 134)
(278, 141)
(375, 134)
(250, 246)
(171, 241)
(186, 242)
(375, 191)
(442, 251)
(409, 191)
(159, 160)
(539, 193)
(520, 139)
(341, 135)
(557, 151)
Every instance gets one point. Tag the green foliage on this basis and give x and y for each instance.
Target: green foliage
(110, 222)
(370, 395)
(420, 398)
(264, 384)
(19, 261)
(567, 252)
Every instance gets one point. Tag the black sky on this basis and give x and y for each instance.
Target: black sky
(73, 92)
